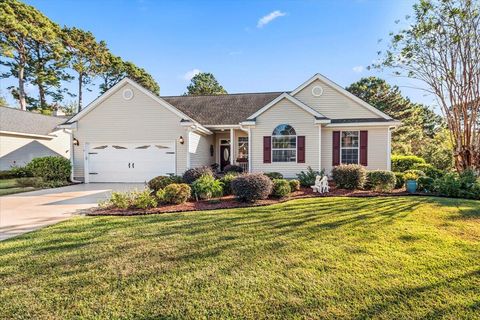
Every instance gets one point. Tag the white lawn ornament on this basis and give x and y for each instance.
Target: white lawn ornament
(317, 187)
(324, 185)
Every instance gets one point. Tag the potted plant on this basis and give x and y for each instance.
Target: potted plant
(411, 182)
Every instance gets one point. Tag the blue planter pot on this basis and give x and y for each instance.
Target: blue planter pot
(411, 186)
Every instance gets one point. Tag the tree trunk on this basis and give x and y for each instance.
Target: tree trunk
(80, 81)
(41, 95)
(21, 82)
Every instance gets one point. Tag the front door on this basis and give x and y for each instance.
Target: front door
(224, 156)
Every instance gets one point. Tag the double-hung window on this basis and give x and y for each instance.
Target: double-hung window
(349, 147)
(242, 147)
(284, 144)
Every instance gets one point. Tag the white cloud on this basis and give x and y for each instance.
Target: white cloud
(263, 21)
(358, 69)
(190, 74)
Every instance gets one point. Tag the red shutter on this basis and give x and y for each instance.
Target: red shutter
(301, 149)
(267, 149)
(364, 148)
(336, 148)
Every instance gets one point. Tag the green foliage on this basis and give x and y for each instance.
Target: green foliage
(274, 175)
(207, 187)
(50, 168)
(464, 185)
(429, 170)
(144, 199)
(175, 193)
(400, 180)
(36, 182)
(402, 163)
(409, 176)
(252, 187)
(16, 172)
(193, 174)
(349, 176)
(294, 185)
(161, 182)
(416, 173)
(425, 184)
(121, 200)
(226, 181)
(204, 83)
(281, 188)
(232, 168)
(381, 180)
(438, 151)
(307, 178)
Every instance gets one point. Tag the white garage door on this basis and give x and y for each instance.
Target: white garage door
(130, 162)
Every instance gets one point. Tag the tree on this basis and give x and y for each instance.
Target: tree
(86, 56)
(441, 47)
(204, 83)
(19, 24)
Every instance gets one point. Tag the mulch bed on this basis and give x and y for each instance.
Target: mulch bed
(228, 202)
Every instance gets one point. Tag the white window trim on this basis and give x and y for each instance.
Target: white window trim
(349, 148)
(295, 149)
(238, 145)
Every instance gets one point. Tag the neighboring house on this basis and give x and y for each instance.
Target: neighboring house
(26, 135)
(130, 135)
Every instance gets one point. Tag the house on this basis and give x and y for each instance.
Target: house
(131, 135)
(26, 135)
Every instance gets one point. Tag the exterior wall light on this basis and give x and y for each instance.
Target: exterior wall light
(181, 140)
(76, 142)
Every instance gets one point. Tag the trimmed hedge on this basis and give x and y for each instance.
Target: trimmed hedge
(161, 182)
(232, 168)
(50, 168)
(175, 193)
(429, 170)
(281, 188)
(400, 180)
(294, 185)
(193, 174)
(404, 163)
(274, 175)
(349, 176)
(226, 180)
(381, 180)
(425, 184)
(251, 187)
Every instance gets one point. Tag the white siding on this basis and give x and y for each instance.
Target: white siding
(140, 119)
(200, 150)
(332, 103)
(377, 154)
(303, 123)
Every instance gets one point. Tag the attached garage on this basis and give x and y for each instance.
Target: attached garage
(129, 162)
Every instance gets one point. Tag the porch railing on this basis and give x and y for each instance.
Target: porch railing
(243, 165)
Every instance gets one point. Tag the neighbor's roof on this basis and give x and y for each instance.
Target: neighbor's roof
(225, 109)
(15, 120)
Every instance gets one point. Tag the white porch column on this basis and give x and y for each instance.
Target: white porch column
(319, 147)
(232, 146)
(249, 150)
(188, 149)
(389, 149)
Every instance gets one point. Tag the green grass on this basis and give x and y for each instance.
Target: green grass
(10, 186)
(353, 258)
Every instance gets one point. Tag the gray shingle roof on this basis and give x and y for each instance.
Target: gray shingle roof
(221, 109)
(356, 120)
(15, 120)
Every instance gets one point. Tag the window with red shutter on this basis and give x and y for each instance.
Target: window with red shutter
(301, 149)
(336, 148)
(364, 148)
(267, 149)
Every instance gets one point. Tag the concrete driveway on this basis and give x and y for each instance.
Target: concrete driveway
(24, 212)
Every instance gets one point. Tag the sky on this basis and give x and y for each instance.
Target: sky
(250, 46)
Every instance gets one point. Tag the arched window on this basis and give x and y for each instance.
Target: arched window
(284, 144)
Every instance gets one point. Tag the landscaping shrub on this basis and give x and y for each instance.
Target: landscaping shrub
(425, 184)
(193, 174)
(206, 187)
(175, 193)
(464, 185)
(20, 172)
(144, 199)
(281, 188)
(251, 187)
(429, 170)
(50, 168)
(349, 176)
(226, 181)
(307, 178)
(400, 180)
(381, 180)
(417, 173)
(36, 182)
(294, 185)
(274, 175)
(161, 182)
(410, 176)
(232, 168)
(121, 200)
(404, 163)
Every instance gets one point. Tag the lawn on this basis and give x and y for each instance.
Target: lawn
(386, 258)
(10, 186)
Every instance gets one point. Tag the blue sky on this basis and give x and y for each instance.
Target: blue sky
(173, 39)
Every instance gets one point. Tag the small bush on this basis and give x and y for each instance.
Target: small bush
(307, 178)
(193, 174)
(35, 182)
(206, 187)
(381, 180)
(349, 176)
(404, 163)
(161, 182)
(274, 175)
(281, 188)
(232, 168)
(175, 193)
(144, 199)
(121, 200)
(425, 184)
(21, 172)
(400, 180)
(50, 168)
(429, 170)
(464, 185)
(413, 172)
(251, 187)
(294, 185)
(226, 181)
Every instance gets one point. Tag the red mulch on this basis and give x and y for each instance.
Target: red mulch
(228, 202)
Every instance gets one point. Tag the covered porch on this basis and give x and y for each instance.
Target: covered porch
(232, 146)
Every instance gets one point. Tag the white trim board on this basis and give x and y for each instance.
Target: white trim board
(341, 90)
